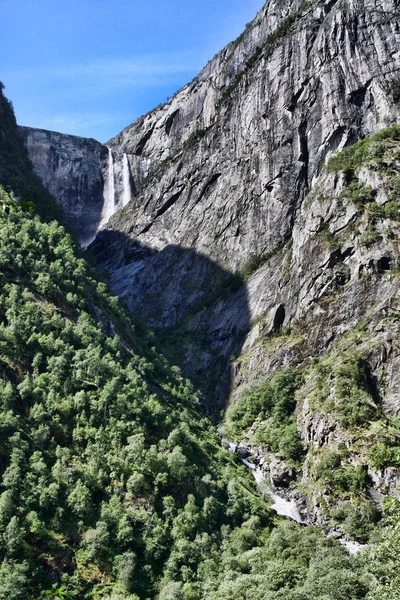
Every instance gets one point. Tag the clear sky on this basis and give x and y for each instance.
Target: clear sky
(91, 67)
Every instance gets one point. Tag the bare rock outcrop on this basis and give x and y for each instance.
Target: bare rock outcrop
(71, 168)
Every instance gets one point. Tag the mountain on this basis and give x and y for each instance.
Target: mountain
(242, 171)
(113, 483)
(260, 246)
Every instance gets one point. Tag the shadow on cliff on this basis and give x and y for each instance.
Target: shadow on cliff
(197, 309)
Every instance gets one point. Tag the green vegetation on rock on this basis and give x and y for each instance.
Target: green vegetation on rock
(372, 148)
(342, 386)
(265, 415)
(380, 154)
(16, 173)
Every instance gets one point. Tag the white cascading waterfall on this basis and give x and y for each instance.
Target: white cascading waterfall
(126, 181)
(109, 192)
(111, 184)
(283, 507)
(289, 508)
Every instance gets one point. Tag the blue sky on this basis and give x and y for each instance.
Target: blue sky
(91, 67)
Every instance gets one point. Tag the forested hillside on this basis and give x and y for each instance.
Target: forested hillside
(109, 472)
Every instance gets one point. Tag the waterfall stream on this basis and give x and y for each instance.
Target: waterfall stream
(111, 184)
(109, 192)
(111, 199)
(283, 507)
(288, 508)
(127, 181)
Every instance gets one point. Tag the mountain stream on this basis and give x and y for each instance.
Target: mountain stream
(288, 508)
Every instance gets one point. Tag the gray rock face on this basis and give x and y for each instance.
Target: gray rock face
(71, 168)
(280, 473)
(234, 153)
(224, 169)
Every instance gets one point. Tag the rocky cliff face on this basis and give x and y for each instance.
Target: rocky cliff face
(233, 154)
(89, 181)
(223, 168)
(71, 168)
(245, 253)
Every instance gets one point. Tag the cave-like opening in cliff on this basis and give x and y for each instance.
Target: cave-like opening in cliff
(279, 317)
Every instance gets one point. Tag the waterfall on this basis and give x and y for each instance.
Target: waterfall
(289, 508)
(111, 184)
(109, 192)
(353, 547)
(127, 181)
(285, 508)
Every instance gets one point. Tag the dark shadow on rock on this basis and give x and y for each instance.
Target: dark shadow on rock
(197, 309)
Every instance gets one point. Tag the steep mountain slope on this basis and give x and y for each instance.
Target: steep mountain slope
(258, 257)
(234, 170)
(243, 142)
(229, 160)
(113, 484)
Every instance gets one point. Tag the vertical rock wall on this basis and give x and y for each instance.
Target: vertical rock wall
(77, 172)
(71, 168)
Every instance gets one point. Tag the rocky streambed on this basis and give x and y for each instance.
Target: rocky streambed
(277, 481)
